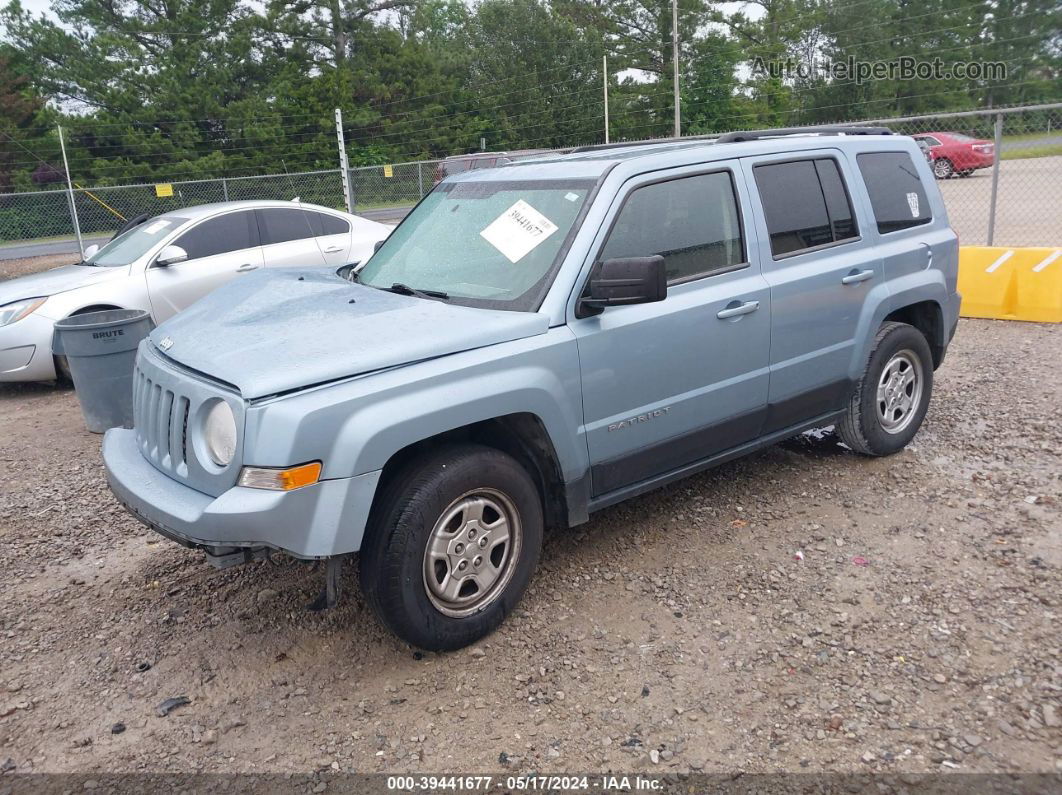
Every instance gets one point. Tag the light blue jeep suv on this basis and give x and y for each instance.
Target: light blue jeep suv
(536, 342)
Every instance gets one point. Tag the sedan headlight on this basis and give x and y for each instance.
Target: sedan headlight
(219, 433)
(11, 313)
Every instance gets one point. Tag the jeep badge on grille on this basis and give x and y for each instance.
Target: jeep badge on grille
(165, 343)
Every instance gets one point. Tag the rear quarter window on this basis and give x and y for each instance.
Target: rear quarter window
(896, 191)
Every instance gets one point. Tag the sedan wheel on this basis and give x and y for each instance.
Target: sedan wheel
(942, 168)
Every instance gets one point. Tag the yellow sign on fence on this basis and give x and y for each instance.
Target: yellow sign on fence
(164, 190)
(389, 171)
(1011, 283)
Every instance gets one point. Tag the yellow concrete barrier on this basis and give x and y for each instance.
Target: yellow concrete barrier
(1011, 283)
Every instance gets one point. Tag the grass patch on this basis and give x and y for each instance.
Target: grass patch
(1049, 150)
(1036, 136)
(94, 237)
(383, 205)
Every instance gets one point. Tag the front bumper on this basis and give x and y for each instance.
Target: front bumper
(318, 521)
(26, 350)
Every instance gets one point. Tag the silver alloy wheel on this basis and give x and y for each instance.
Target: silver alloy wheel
(472, 552)
(942, 168)
(900, 391)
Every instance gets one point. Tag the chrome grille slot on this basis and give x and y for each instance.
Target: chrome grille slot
(164, 419)
(153, 420)
(180, 431)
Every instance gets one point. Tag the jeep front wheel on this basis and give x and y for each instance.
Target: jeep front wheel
(892, 396)
(451, 546)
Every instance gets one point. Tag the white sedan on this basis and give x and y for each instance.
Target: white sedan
(165, 263)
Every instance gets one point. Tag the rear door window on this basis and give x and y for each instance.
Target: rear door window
(838, 205)
(280, 224)
(806, 205)
(330, 225)
(231, 232)
(896, 191)
(692, 222)
(323, 224)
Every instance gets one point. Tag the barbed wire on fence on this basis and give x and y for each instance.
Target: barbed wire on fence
(1029, 185)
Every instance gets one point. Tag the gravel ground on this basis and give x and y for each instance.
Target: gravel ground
(675, 632)
(12, 268)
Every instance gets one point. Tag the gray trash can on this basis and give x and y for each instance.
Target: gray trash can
(100, 348)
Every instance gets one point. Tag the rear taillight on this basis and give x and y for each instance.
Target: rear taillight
(985, 148)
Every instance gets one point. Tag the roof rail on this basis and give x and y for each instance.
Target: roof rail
(755, 135)
(647, 142)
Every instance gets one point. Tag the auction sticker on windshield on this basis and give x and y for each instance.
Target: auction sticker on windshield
(155, 228)
(517, 231)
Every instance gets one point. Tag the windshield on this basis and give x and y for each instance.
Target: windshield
(493, 243)
(128, 246)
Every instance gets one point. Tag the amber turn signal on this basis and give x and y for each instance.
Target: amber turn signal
(281, 479)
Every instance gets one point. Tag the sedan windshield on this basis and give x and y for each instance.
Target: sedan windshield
(490, 243)
(128, 246)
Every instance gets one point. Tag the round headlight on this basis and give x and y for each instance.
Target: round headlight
(219, 433)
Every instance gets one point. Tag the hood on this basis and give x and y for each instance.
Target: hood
(56, 280)
(274, 331)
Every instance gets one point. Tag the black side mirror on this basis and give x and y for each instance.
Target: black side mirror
(347, 272)
(628, 280)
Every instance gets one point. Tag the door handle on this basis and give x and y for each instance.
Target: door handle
(857, 276)
(247, 266)
(739, 309)
(333, 249)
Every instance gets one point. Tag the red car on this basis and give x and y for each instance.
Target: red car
(952, 153)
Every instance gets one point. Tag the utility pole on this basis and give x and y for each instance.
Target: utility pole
(604, 73)
(70, 194)
(675, 65)
(344, 168)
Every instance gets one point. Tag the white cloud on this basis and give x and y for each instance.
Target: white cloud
(39, 6)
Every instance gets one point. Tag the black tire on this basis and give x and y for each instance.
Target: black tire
(863, 428)
(943, 168)
(62, 372)
(966, 172)
(393, 564)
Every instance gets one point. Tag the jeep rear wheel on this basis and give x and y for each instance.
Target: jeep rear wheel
(451, 546)
(893, 394)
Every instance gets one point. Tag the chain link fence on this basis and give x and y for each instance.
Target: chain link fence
(1017, 204)
(1020, 204)
(41, 215)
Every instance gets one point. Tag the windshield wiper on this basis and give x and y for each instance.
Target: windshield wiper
(405, 289)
